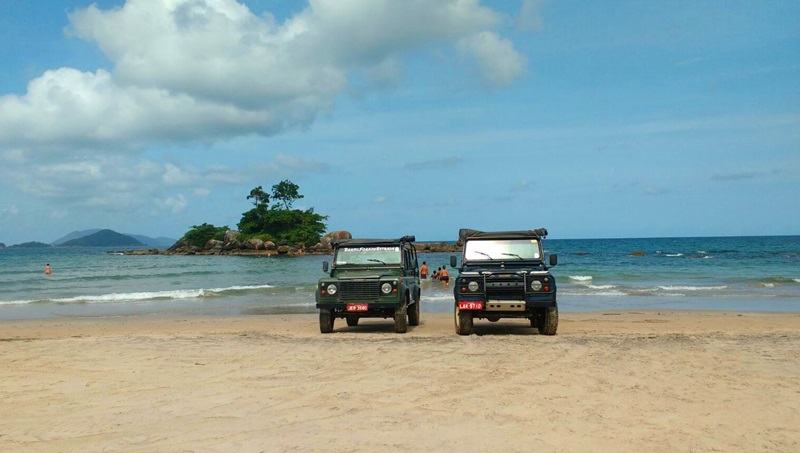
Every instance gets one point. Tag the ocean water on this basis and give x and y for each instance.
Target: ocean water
(725, 273)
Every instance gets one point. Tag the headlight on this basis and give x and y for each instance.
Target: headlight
(473, 286)
(331, 289)
(386, 288)
(536, 285)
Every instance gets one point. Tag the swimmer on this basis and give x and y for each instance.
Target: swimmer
(444, 276)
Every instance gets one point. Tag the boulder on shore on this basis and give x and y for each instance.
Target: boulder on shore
(231, 236)
(334, 236)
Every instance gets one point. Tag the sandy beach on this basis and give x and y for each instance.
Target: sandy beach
(609, 381)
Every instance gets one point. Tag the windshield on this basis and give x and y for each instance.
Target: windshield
(502, 249)
(368, 255)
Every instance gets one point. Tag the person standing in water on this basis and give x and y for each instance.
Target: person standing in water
(423, 271)
(47, 269)
(444, 276)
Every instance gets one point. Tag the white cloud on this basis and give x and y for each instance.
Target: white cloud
(434, 164)
(286, 163)
(191, 70)
(498, 62)
(59, 214)
(380, 199)
(16, 156)
(176, 176)
(529, 15)
(11, 211)
(521, 186)
(199, 71)
(174, 205)
(655, 191)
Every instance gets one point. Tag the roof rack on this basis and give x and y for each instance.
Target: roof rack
(359, 241)
(465, 233)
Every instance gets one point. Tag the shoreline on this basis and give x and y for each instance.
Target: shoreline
(438, 324)
(437, 301)
(612, 380)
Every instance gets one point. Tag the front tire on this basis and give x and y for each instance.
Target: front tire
(549, 321)
(463, 321)
(400, 320)
(325, 321)
(413, 313)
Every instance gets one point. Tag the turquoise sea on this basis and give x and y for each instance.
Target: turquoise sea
(710, 273)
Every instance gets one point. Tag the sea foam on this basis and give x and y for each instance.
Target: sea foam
(691, 288)
(140, 296)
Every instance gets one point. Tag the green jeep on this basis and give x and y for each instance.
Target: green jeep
(370, 278)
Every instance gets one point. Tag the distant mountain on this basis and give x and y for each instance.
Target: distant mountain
(75, 235)
(160, 241)
(30, 245)
(145, 240)
(2, 246)
(103, 238)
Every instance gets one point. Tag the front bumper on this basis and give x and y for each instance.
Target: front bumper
(340, 306)
(508, 308)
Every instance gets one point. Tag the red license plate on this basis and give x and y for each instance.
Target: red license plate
(357, 307)
(465, 305)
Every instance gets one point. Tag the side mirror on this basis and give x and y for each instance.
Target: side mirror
(553, 259)
(325, 267)
(453, 262)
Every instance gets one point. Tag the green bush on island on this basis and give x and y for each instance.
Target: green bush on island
(280, 223)
(199, 235)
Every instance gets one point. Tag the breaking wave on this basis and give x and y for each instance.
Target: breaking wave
(178, 294)
(691, 288)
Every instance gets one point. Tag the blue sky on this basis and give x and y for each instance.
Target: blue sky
(592, 119)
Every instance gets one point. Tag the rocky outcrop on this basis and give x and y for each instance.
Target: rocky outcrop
(433, 247)
(254, 244)
(231, 236)
(334, 236)
(231, 245)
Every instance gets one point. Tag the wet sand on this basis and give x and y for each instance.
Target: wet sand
(609, 381)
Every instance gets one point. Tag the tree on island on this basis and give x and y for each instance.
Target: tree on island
(280, 223)
(287, 192)
(260, 198)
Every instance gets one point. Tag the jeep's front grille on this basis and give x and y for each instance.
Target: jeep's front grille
(359, 290)
(505, 287)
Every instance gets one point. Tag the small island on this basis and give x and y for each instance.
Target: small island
(275, 229)
(30, 245)
(268, 230)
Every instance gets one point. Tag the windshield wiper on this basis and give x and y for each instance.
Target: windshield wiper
(376, 261)
(484, 254)
(514, 255)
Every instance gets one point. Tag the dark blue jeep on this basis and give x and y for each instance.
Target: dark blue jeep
(503, 274)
